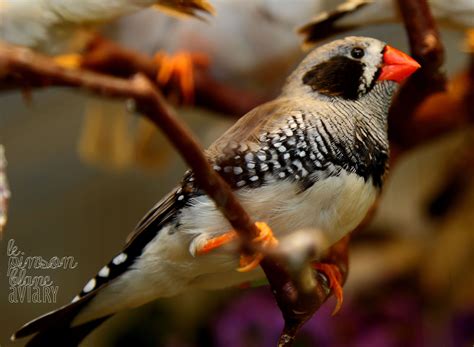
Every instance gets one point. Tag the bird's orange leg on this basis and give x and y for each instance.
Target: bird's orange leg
(334, 276)
(247, 262)
(266, 239)
(182, 66)
(217, 242)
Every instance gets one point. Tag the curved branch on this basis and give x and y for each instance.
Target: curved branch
(105, 56)
(427, 48)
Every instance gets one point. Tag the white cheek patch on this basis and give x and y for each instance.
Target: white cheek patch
(372, 61)
(367, 78)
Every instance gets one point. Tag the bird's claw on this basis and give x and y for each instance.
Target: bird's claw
(180, 65)
(216, 242)
(334, 276)
(248, 262)
(265, 239)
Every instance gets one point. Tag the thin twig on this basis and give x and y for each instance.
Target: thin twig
(469, 97)
(427, 48)
(299, 305)
(109, 58)
(102, 55)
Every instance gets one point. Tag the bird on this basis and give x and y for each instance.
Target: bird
(60, 27)
(314, 157)
(455, 14)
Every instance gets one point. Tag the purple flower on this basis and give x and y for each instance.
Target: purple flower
(391, 320)
(462, 328)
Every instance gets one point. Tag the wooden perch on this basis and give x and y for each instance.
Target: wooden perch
(427, 49)
(298, 304)
(109, 58)
(102, 55)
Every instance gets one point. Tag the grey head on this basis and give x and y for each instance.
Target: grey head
(347, 86)
(343, 69)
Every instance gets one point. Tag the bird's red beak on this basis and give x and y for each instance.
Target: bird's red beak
(397, 65)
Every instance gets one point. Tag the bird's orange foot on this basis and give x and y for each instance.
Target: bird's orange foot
(68, 61)
(180, 65)
(266, 239)
(247, 262)
(217, 242)
(334, 276)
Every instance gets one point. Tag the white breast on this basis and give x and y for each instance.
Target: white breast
(336, 205)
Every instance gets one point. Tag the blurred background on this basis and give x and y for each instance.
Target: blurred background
(81, 177)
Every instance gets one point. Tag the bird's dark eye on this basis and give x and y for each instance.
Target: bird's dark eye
(357, 53)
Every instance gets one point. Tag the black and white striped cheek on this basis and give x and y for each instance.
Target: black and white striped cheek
(342, 77)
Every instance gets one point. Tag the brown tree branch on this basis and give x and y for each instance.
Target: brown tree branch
(109, 58)
(469, 96)
(102, 55)
(298, 304)
(427, 49)
(461, 169)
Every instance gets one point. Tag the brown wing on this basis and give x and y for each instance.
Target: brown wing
(249, 127)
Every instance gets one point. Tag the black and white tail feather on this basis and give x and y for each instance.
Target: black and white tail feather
(56, 328)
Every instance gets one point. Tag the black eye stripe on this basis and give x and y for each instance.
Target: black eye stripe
(357, 53)
(339, 76)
